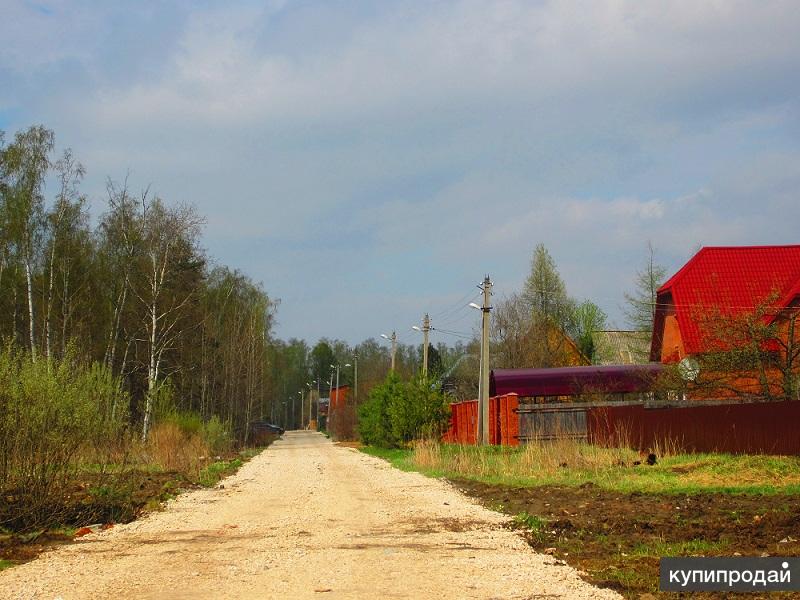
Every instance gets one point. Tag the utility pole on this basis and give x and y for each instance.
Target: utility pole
(394, 348)
(393, 339)
(426, 327)
(483, 402)
(302, 409)
(330, 402)
(355, 378)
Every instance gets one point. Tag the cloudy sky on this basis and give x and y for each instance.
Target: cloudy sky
(370, 161)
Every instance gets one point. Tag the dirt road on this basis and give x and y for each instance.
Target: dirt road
(305, 519)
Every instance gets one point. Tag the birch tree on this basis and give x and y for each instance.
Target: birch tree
(62, 221)
(169, 241)
(26, 164)
(640, 305)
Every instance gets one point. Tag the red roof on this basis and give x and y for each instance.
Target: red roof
(733, 280)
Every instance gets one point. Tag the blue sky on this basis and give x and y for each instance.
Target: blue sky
(370, 161)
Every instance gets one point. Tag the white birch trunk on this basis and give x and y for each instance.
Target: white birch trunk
(29, 281)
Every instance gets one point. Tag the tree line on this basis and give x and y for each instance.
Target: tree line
(133, 290)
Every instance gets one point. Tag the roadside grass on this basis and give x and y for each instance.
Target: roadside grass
(218, 470)
(5, 564)
(571, 463)
(696, 547)
(534, 524)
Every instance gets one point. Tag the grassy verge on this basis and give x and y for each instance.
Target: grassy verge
(574, 464)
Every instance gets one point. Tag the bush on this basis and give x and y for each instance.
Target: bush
(51, 412)
(397, 412)
(215, 434)
(374, 418)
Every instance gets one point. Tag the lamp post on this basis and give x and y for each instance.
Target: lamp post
(310, 385)
(426, 327)
(302, 409)
(393, 339)
(330, 401)
(483, 386)
(355, 378)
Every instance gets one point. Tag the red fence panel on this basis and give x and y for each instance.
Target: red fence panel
(768, 427)
(503, 421)
(509, 420)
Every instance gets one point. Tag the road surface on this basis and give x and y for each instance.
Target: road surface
(305, 519)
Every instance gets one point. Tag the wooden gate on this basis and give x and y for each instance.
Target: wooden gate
(552, 422)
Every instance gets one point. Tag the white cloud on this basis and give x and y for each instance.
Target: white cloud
(415, 144)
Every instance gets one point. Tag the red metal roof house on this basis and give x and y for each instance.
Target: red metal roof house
(733, 280)
(736, 310)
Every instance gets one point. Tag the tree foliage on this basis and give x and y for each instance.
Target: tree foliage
(753, 352)
(640, 305)
(543, 326)
(133, 291)
(397, 412)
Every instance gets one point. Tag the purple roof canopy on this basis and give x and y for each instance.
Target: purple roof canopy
(573, 381)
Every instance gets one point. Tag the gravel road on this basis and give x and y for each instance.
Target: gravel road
(305, 519)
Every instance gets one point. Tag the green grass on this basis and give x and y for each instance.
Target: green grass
(574, 464)
(627, 579)
(534, 524)
(398, 457)
(5, 564)
(661, 548)
(218, 470)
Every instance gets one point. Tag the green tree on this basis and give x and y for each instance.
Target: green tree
(545, 292)
(374, 415)
(640, 305)
(26, 162)
(587, 318)
(551, 310)
(422, 411)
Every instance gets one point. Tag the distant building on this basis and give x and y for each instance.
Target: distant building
(339, 396)
(618, 347)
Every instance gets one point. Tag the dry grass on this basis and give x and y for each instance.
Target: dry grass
(542, 460)
(175, 450)
(570, 463)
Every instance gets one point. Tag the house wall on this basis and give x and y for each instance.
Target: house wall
(672, 349)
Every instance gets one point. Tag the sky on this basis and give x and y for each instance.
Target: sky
(371, 161)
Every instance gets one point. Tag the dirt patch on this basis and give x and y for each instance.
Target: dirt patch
(350, 444)
(91, 501)
(616, 539)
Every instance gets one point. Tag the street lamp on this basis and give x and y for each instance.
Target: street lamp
(426, 327)
(355, 378)
(300, 393)
(393, 339)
